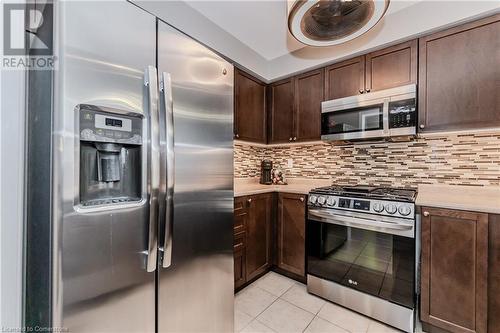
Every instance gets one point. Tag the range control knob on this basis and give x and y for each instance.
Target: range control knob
(313, 199)
(321, 200)
(404, 210)
(391, 208)
(331, 201)
(378, 207)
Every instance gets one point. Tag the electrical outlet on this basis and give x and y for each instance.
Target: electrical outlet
(290, 163)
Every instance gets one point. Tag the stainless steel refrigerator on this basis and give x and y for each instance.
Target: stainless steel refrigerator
(130, 201)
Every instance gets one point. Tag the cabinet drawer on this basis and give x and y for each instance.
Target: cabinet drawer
(240, 214)
(239, 242)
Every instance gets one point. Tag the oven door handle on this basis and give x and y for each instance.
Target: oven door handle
(396, 228)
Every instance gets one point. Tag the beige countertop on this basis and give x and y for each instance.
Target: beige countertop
(485, 199)
(249, 186)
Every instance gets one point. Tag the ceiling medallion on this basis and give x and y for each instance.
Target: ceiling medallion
(332, 22)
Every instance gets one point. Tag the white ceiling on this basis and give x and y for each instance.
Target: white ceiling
(261, 24)
(254, 33)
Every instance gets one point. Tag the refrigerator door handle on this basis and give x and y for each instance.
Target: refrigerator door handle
(166, 92)
(153, 158)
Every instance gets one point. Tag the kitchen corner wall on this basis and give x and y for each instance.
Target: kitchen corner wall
(451, 158)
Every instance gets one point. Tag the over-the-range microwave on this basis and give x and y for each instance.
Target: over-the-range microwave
(385, 114)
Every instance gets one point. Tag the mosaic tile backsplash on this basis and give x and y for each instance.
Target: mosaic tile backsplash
(453, 158)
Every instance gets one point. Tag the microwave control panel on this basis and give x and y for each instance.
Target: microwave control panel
(403, 113)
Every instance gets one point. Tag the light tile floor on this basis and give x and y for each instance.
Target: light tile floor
(275, 303)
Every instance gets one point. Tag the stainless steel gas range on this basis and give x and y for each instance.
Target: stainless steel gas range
(362, 249)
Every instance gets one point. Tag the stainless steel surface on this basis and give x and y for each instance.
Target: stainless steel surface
(378, 207)
(364, 100)
(167, 113)
(99, 277)
(196, 293)
(153, 172)
(376, 97)
(388, 225)
(392, 314)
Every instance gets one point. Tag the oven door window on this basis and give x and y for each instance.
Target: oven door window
(362, 119)
(379, 264)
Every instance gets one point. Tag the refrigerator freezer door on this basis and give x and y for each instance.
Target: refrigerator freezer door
(100, 280)
(195, 293)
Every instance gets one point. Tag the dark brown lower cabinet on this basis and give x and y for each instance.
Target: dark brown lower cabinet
(258, 251)
(454, 275)
(291, 233)
(494, 274)
(252, 236)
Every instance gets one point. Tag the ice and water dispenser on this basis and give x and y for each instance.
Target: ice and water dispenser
(110, 157)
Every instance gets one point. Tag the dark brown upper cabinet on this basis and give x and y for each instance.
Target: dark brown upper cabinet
(309, 94)
(383, 69)
(281, 110)
(291, 231)
(295, 108)
(345, 78)
(454, 273)
(391, 67)
(250, 121)
(458, 77)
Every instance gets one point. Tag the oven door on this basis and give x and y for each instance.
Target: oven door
(362, 120)
(372, 256)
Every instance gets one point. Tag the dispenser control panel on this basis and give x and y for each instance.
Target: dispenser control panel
(100, 126)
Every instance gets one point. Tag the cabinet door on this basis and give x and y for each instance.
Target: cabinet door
(309, 92)
(249, 108)
(454, 270)
(291, 233)
(346, 78)
(282, 111)
(458, 77)
(391, 67)
(258, 247)
(494, 274)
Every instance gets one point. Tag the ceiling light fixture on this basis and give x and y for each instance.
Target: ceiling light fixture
(332, 22)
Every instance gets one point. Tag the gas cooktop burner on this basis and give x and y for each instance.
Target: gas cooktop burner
(387, 193)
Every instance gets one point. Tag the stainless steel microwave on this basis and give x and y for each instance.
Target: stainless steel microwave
(384, 114)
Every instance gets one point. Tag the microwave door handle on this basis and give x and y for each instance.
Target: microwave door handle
(166, 92)
(385, 116)
(153, 161)
(358, 222)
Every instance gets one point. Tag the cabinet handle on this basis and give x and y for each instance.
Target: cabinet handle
(367, 90)
(294, 138)
(361, 91)
(237, 135)
(426, 214)
(249, 200)
(301, 199)
(422, 126)
(290, 139)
